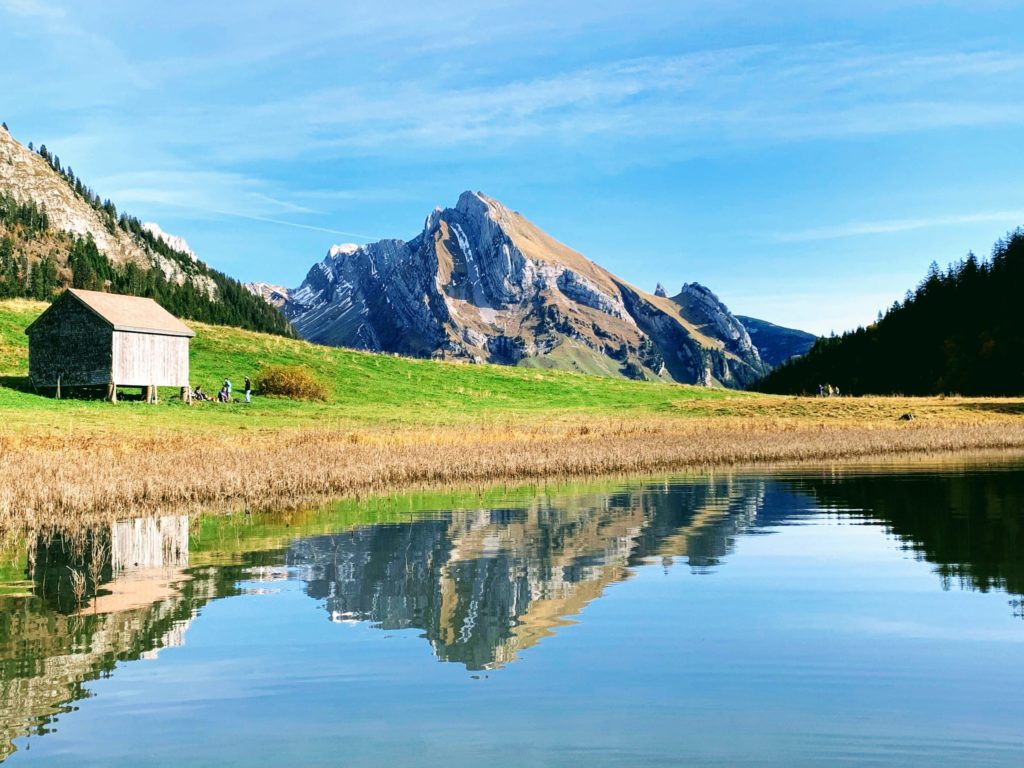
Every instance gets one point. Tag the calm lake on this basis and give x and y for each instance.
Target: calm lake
(860, 616)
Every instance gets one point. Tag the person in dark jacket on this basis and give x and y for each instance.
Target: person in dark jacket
(248, 389)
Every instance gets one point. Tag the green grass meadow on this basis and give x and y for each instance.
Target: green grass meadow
(364, 389)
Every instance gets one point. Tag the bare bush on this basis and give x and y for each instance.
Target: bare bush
(293, 381)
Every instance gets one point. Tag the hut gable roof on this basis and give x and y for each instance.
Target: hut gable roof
(129, 313)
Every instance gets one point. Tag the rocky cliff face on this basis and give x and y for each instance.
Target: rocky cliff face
(173, 241)
(481, 283)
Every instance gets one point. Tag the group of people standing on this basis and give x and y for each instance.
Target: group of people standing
(827, 390)
(224, 396)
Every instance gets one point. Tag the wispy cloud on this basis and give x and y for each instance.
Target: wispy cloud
(224, 192)
(57, 43)
(627, 111)
(209, 194)
(32, 8)
(691, 103)
(1009, 218)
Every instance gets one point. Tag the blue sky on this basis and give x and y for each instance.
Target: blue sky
(806, 161)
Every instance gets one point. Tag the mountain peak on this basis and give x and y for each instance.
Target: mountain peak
(484, 284)
(475, 203)
(696, 289)
(432, 220)
(27, 175)
(342, 249)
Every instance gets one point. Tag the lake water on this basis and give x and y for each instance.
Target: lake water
(859, 617)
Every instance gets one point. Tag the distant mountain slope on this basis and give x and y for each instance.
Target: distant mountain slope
(775, 343)
(960, 332)
(55, 233)
(481, 283)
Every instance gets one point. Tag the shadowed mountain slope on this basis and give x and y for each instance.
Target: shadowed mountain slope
(775, 343)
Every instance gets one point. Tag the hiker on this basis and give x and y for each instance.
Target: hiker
(837, 392)
(821, 390)
(199, 394)
(227, 387)
(248, 389)
(828, 388)
(223, 396)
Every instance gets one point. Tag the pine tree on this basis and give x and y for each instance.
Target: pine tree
(958, 332)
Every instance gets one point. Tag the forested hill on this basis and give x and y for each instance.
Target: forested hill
(960, 332)
(55, 233)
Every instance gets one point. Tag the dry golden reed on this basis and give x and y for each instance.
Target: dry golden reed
(55, 477)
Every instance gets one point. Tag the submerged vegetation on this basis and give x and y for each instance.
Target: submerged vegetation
(82, 600)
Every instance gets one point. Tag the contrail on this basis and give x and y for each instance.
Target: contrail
(289, 224)
(890, 226)
(267, 220)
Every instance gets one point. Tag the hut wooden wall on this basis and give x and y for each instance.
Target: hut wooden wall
(149, 542)
(141, 359)
(72, 343)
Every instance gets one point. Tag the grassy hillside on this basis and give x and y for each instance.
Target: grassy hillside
(55, 232)
(364, 388)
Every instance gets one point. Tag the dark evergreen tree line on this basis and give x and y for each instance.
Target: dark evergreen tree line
(959, 332)
(91, 270)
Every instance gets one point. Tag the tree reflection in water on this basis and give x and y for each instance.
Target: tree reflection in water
(481, 584)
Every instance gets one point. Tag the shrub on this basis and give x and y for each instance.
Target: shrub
(294, 381)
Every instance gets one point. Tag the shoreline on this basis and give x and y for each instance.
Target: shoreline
(53, 478)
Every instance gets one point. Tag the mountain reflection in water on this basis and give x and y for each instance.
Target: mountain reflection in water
(481, 584)
(485, 584)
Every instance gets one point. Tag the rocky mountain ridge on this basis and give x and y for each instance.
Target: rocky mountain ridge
(174, 242)
(57, 233)
(25, 176)
(481, 283)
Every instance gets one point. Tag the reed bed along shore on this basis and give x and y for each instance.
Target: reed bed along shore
(55, 476)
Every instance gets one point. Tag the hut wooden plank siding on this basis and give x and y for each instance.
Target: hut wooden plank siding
(89, 338)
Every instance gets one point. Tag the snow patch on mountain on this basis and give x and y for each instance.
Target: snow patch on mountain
(174, 241)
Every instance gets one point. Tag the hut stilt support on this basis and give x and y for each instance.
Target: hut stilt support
(112, 392)
(58, 387)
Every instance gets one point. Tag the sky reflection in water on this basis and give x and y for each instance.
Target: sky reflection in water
(865, 618)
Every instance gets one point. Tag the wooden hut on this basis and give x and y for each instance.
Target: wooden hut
(89, 339)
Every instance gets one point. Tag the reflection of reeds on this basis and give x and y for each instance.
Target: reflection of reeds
(77, 585)
(99, 557)
(56, 478)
